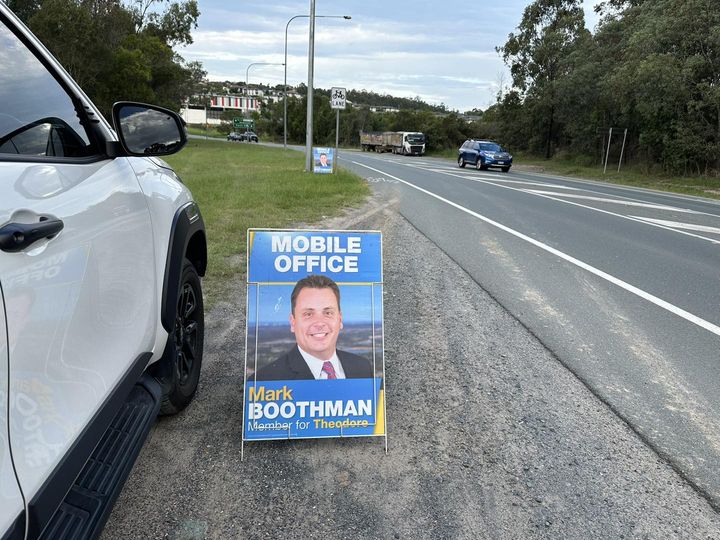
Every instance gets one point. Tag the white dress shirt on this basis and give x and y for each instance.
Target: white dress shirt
(315, 365)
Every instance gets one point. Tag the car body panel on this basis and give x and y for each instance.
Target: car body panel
(164, 194)
(72, 303)
(11, 501)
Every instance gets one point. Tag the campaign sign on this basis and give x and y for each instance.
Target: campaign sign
(285, 256)
(323, 159)
(314, 364)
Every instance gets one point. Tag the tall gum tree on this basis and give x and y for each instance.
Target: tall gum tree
(548, 33)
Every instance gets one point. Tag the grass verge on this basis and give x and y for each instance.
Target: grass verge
(201, 131)
(239, 186)
(702, 186)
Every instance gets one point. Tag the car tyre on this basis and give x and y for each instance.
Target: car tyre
(479, 164)
(505, 169)
(184, 347)
(461, 162)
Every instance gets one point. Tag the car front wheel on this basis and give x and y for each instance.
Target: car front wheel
(479, 164)
(461, 162)
(184, 349)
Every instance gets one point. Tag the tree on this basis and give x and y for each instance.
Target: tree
(548, 32)
(24, 9)
(115, 52)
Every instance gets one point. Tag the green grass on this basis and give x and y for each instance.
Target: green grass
(200, 130)
(240, 186)
(702, 186)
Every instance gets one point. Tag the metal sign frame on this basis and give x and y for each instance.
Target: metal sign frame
(372, 280)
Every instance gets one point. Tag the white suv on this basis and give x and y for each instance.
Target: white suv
(101, 312)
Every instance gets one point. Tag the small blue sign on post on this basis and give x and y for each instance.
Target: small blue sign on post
(314, 363)
(323, 160)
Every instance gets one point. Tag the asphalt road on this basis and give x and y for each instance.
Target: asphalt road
(620, 284)
(527, 396)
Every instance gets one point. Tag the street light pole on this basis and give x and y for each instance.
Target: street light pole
(311, 70)
(346, 17)
(285, 84)
(247, 71)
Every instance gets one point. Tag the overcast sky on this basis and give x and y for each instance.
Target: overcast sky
(443, 52)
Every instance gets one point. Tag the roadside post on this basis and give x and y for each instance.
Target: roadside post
(607, 155)
(607, 152)
(622, 151)
(337, 101)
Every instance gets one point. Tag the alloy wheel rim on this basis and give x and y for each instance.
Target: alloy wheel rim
(185, 333)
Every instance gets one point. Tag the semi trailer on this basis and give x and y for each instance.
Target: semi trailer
(407, 143)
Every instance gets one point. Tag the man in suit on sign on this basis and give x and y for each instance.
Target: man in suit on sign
(316, 320)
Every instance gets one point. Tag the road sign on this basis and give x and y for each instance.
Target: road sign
(243, 123)
(337, 98)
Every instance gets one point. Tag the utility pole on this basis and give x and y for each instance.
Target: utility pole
(311, 67)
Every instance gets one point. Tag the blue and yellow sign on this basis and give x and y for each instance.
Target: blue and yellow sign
(314, 363)
(323, 160)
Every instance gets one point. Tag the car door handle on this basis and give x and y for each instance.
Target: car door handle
(15, 237)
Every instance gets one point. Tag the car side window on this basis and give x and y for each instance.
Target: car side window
(37, 116)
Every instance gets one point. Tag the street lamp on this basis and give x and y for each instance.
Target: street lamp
(247, 71)
(346, 17)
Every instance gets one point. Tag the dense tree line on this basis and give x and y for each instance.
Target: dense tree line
(442, 130)
(652, 66)
(373, 99)
(119, 51)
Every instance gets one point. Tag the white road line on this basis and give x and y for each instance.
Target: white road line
(525, 182)
(590, 182)
(432, 169)
(686, 198)
(702, 323)
(600, 210)
(615, 201)
(680, 225)
(483, 180)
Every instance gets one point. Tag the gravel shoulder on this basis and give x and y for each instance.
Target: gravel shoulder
(489, 436)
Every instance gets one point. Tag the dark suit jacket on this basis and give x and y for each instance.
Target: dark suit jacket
(291, 366)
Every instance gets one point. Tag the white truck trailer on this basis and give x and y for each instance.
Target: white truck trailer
(407, 143)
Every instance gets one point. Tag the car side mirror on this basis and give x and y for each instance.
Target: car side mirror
(147, 130)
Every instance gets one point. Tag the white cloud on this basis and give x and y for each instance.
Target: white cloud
(424, 49)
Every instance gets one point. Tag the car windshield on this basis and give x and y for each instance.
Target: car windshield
(491, 147)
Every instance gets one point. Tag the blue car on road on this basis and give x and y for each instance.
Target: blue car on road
(484, 154)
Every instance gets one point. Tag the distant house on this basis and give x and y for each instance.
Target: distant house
(238, 98)
(384, 108)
